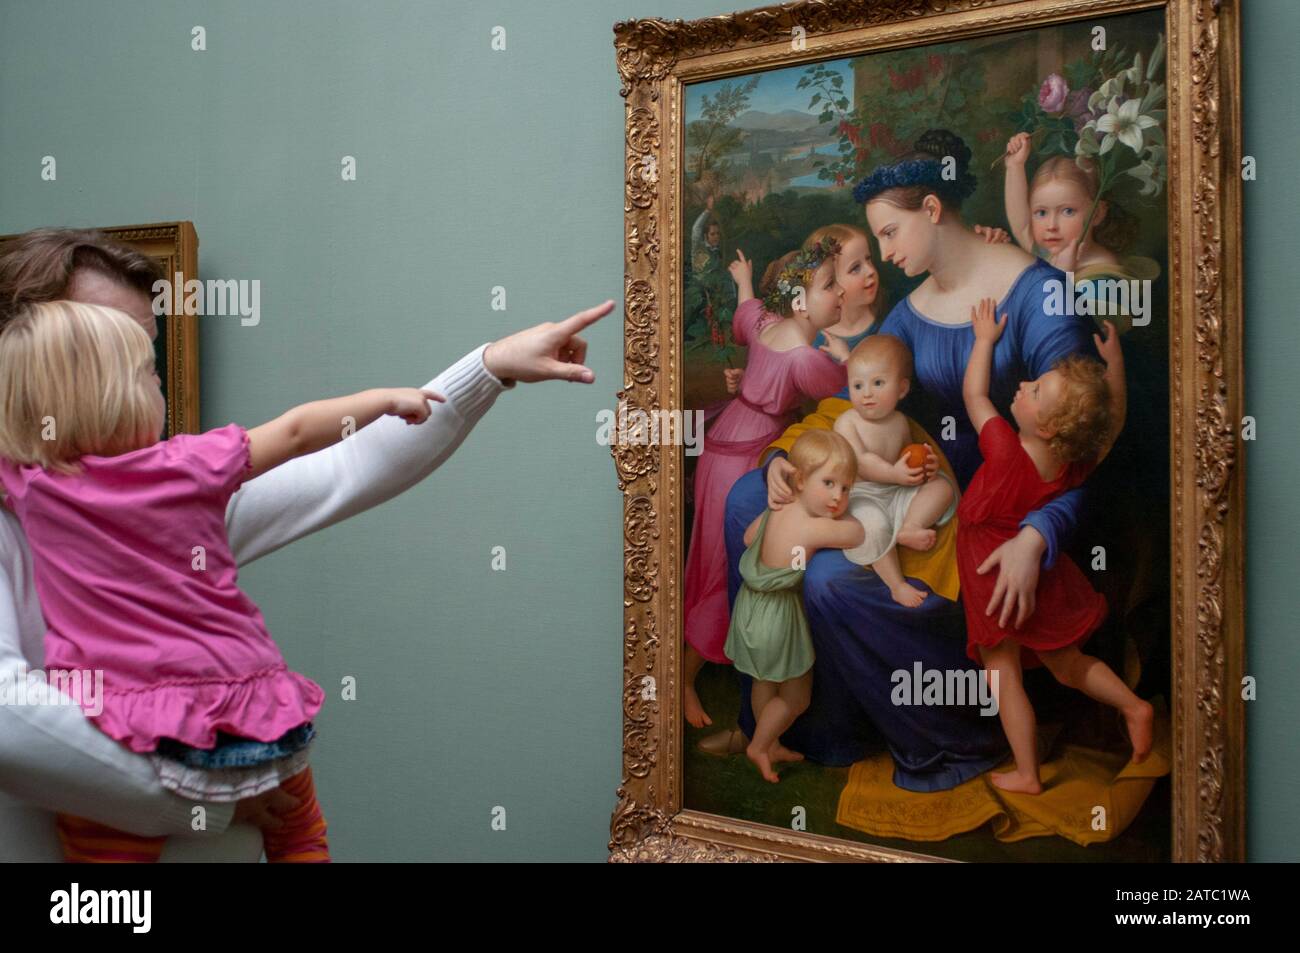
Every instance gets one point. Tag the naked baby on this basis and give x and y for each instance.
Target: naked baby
(893, 500)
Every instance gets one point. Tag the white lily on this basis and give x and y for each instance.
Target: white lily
(1155, 96)
(1124, 123)
(1149, 175)
(1087, 144)
(1135, 73)
(1157, 57)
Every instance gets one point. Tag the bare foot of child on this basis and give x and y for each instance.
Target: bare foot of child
(762, 761)
(779, 752)
(1140, 720)
(1015, 781)
(917, 537)
(695, 713)
(907, 595)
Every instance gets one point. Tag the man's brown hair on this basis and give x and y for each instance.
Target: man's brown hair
(37, 266)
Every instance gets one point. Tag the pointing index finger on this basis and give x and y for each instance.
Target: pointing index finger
(575, 323)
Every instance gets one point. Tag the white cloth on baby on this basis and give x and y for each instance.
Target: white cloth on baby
(880, 508)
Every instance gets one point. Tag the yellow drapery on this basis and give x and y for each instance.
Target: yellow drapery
(1075, 782)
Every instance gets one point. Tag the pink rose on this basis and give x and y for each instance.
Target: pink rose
(1051, 95)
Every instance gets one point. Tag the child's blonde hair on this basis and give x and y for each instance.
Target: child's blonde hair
(813, 448)
(1081, 417)
(1118, 229)
(74, 379)
(890, 347)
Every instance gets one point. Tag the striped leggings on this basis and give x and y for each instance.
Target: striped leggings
(300, 841)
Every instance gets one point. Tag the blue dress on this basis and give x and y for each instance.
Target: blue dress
(860, 634)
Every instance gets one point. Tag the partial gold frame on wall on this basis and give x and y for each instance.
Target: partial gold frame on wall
(175, 246)
(655, 59)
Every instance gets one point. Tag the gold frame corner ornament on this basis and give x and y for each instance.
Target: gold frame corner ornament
(655, 58)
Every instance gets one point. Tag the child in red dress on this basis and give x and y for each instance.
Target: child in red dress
(1068, 421)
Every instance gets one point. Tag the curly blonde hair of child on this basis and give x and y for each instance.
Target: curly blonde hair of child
(813, 448)
(890, 347)
(1081, 418)
(74, 379)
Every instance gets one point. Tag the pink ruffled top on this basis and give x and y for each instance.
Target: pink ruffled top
(135, 577)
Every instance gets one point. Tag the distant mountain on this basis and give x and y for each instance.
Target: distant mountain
(787, 120)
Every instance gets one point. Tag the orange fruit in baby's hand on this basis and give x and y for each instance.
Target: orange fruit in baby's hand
(915, 454)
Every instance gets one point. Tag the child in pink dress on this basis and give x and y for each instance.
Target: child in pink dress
(135, 574)
(802, 298)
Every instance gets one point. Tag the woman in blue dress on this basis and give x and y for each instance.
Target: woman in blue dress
(862, 637)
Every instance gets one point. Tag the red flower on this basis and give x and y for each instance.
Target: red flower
(936, 64)
(895, 80)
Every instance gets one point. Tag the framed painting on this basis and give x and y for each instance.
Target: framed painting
(929, 433)
(175, 247)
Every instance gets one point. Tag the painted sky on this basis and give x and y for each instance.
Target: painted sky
(774, 93)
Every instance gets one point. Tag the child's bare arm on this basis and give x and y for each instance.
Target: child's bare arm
(826, 532)
(871, 466)
(742, 272)
(316, 425)
(975, 385)
(1016, 191)
(1118, 386)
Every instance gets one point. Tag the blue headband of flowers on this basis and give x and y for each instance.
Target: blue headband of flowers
(911, 172)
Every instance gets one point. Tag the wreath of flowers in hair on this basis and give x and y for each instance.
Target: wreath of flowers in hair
(911, 172)
(799, 274)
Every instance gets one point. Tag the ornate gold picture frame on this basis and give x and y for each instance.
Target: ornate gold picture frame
(656, 60)
(175, 246)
